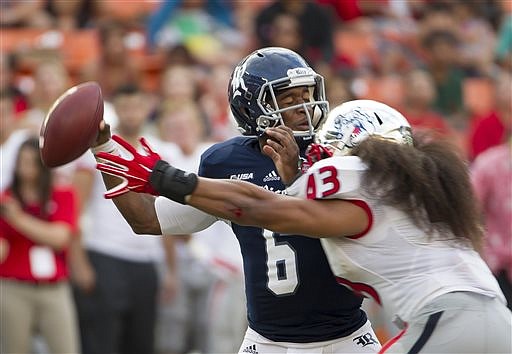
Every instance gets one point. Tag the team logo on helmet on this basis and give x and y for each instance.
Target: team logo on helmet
(238, 80)
(353, 128)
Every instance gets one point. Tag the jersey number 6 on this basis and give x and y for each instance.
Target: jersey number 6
(281, 265)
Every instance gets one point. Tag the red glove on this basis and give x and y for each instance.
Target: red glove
(315, 153)
(134, 173)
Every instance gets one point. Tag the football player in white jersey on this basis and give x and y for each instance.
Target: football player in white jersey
(397, 220)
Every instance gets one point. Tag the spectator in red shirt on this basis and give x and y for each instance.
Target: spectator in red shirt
(348, 10)
(37, 222)
(492, 129)
(419, 98)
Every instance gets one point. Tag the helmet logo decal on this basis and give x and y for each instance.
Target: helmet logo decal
(360, 124)
(299, 72)
(238, 80)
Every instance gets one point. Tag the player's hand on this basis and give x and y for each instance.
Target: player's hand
(104, 134)
(135, 173)
(282, 148)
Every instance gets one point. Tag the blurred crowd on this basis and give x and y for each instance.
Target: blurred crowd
(163, 67)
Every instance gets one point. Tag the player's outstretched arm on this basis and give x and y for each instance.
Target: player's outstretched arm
(247, 204)
(238, 201)
(137, 209)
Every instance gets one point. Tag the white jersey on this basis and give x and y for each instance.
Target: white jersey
(394, 261)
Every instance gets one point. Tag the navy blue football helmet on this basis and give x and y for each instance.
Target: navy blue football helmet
(255, 81)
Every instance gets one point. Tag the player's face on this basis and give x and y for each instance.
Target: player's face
(295, 119)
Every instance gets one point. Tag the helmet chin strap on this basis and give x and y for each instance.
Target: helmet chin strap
(317, 115)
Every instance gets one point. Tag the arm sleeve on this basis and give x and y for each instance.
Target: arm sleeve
(179, 219)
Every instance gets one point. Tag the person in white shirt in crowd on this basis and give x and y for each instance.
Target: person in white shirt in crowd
(208, 313)
(114, 270)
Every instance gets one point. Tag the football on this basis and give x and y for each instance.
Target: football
(71, 125)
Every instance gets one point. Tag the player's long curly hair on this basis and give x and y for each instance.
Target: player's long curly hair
(429, 181)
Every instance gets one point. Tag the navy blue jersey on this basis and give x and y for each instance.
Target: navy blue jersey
(292, 295)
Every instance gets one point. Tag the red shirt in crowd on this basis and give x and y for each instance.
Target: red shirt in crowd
(430, 121)
(485, 132)
(30, 262)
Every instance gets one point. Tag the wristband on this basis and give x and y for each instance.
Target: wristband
(172, 182)
(109, 147)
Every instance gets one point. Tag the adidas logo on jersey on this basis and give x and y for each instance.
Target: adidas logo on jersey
(277, 191)
(242, 176)
(250, 349)
(272, 176)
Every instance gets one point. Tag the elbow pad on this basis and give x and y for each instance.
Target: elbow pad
(171, 182)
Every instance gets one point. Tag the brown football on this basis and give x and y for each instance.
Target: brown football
(71, 125)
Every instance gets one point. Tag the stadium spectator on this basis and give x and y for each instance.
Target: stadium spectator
(491, 174)
(179, 83)
(203, 27)
(350, 10)
(442, 63)
(7, 70)
(477, 39)
(37, 222)
(493, 128)
(23, 14)
(308, 26)
(284, 31)
(338, 89)
(117, 297)
(192, 322)
(214, 104)
(115, 67)
(51, 79)
(419, 95)
(70, 15)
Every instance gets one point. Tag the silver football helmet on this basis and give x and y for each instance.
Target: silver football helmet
(351, 122)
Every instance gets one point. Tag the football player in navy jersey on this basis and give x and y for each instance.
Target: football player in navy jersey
(293, 299)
